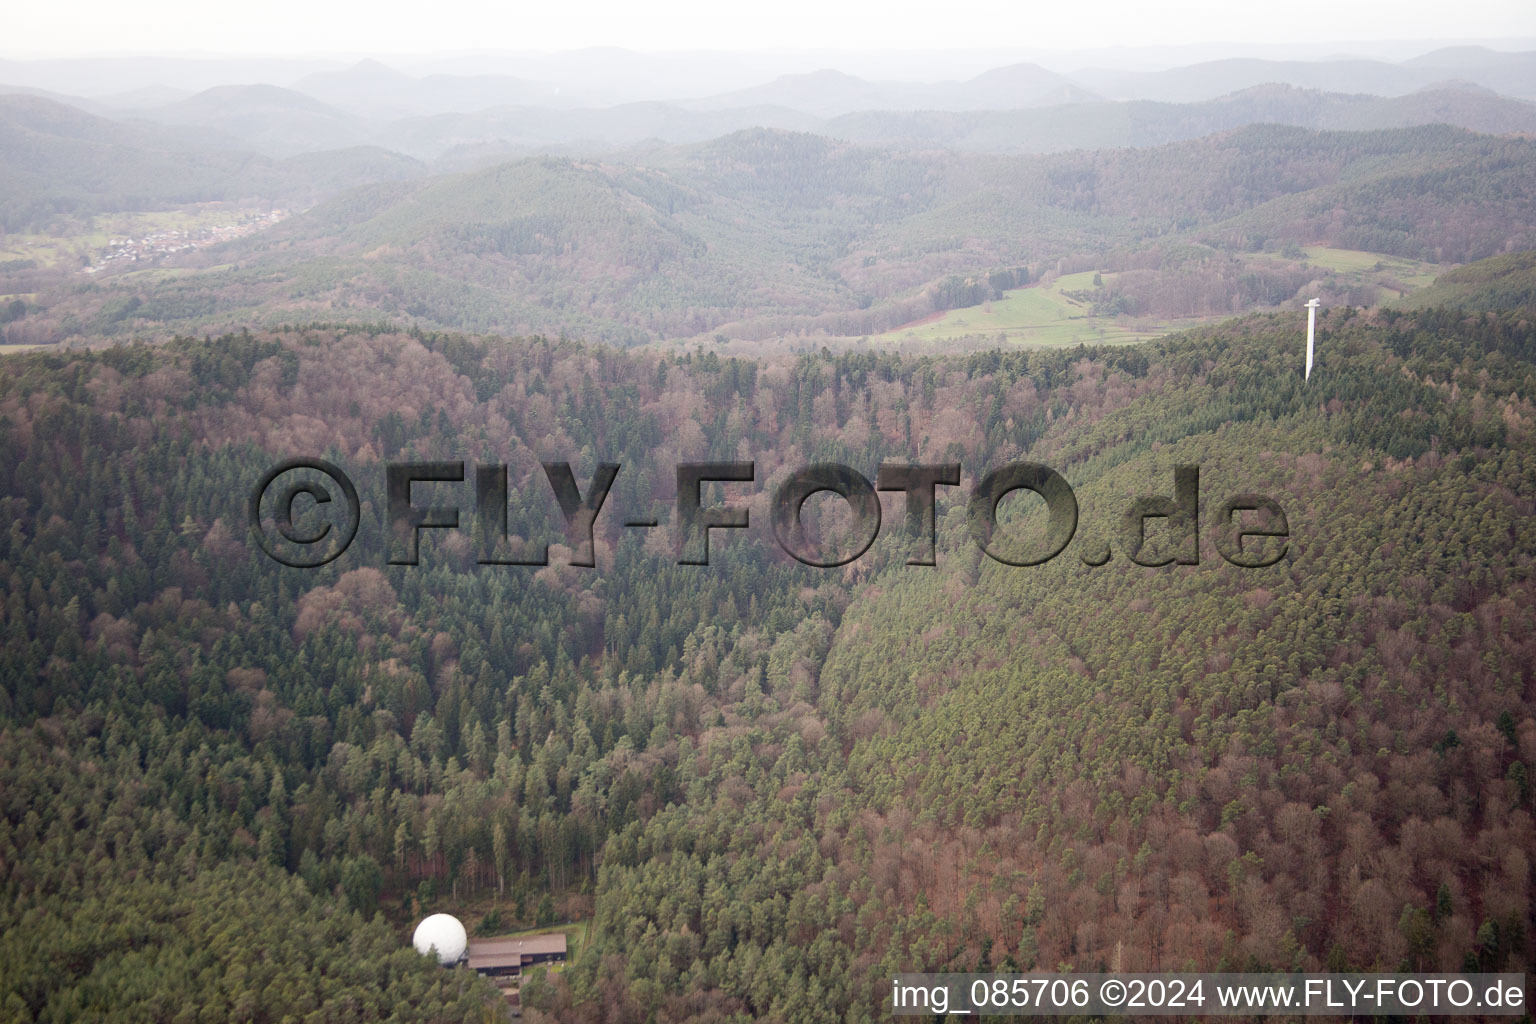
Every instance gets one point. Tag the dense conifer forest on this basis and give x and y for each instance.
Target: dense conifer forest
(228, 788)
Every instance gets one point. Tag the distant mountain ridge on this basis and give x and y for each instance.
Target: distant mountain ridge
(1512, 74)
(58, 159)
(829, 93)
(372, 89)
(276, 121)
(1101, 124)
(282, 122)
(172, 153)
(467, 120)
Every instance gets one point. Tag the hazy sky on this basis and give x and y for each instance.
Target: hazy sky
(283, 27)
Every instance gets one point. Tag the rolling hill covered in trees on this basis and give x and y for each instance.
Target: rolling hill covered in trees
(768, 234)
(60, 161)
(766, 785)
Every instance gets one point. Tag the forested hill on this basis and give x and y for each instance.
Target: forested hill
(765, 234)
(57, 160)
(766, 785)
(1502, 282)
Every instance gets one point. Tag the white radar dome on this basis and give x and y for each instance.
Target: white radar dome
(442, 936)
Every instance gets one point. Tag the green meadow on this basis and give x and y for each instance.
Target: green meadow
(1040, 315)
(1373, 267)
(1047, 316)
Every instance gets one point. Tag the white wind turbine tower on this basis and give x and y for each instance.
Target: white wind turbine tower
(1311, 326)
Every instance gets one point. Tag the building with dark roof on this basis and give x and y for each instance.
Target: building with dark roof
(506, 958)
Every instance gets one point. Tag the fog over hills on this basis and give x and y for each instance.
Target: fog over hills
(469, 119)
(1511, 73)
(1217, 78)
(1092, 125)
(828, 93)
(816, 201)
(279, 122)
(383, 86)
(374, 90)
(59, 160)
(267, 118)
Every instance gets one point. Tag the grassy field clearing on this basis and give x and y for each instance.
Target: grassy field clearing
(1041, 315)
(1374, 267)
(1048, 317)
